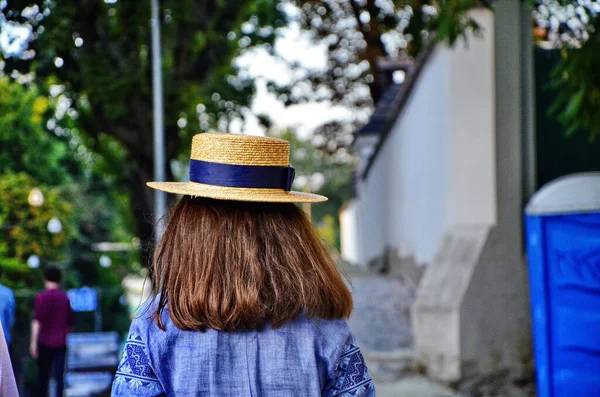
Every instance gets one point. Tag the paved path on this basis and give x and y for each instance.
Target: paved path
(381, 323)
(413, 386)
(381, 319)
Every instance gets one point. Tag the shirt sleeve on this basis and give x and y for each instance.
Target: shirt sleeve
(11, 311)
(351, 376)
(135, 375)
(37, 308)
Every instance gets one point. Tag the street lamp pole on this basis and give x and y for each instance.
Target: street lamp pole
(160, 199)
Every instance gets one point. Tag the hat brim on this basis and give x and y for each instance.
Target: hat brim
(236, 193)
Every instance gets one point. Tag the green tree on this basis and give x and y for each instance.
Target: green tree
(366, 41)
(99, 53)
(25, 226)
(26, 144)
(574, 26)
(77, 191)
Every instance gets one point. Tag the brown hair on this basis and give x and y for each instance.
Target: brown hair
(231, 266)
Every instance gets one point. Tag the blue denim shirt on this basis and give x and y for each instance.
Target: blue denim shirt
(304, 358)
(7, 311)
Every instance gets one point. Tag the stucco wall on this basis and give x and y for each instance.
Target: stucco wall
(415, 157)
(371, 208)
(402, 201)
(349, 233)
(436, 168)
(471, 177)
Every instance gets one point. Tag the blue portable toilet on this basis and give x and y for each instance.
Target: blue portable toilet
(563, 245)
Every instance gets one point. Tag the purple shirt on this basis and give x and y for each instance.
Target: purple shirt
(53, 312)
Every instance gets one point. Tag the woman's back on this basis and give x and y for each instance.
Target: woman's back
(240, 273)
(301, 358)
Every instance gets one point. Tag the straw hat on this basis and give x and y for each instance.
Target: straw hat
(239, 168)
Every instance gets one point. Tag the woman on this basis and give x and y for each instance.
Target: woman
(249, 302)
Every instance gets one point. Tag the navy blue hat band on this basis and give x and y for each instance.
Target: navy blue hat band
(244, 176)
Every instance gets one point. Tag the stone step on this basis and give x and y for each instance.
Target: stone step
(390, 366)
(413, 386)
(381, 318)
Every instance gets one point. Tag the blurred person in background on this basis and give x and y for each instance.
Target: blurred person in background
(249, 301)
(7, 310)
(8, 385)
(53, 320)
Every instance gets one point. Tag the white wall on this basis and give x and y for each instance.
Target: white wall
(402, 199)
(371, 208)
(471, 171)
(349, 233)
(415, 158)
(436, 168)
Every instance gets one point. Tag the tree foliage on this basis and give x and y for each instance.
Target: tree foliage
(26, 145)
(577, 83)
(99, 54)
(573, 26)
(359, 34)
(366, 41)
(25, 229)
(79, 191)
